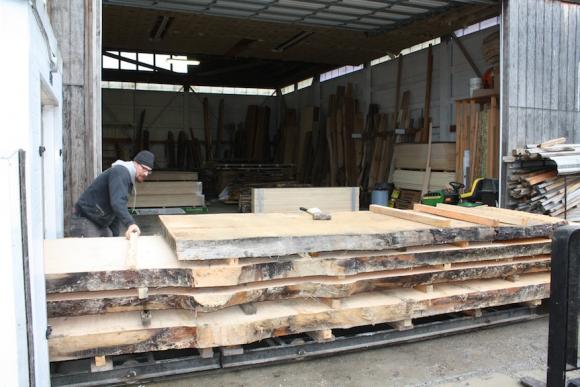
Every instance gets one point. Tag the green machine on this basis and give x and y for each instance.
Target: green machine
(483, 191)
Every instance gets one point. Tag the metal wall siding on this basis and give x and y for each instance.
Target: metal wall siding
(540, 70)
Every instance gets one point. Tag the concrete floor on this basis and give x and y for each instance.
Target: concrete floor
(494, 357)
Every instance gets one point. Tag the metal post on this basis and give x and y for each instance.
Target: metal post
(563, 335)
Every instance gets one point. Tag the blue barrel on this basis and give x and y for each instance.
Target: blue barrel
(379, 197)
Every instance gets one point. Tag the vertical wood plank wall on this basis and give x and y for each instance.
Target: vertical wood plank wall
(77, 26)
(540, 70)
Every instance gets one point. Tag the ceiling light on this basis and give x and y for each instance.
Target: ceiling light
(190, 62)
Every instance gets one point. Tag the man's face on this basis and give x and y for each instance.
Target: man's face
(142, 172)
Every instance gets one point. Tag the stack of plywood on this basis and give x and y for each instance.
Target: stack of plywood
(233, 279)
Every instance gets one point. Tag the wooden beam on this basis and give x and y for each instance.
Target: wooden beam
(489, 212)
(429, 77)
(411, 215)
(466, 54)
(457, 214)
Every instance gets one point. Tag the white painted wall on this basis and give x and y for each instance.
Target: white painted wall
(173, 111)
(30, 100)
(377, 84)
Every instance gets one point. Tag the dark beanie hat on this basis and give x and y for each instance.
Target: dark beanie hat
(145, 158)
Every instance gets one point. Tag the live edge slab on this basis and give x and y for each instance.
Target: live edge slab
(226, 236)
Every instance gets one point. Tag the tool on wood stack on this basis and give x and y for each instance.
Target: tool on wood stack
(316, 213)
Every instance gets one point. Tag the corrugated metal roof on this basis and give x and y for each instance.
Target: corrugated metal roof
(361, 15)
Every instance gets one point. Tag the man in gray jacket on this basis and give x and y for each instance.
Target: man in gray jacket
(103, 207)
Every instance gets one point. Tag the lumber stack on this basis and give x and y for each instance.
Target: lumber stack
(235, 178)
(233, 279)
(168, 189)
(167, 194)
(345, 152)
(545, 178)
(477, 139)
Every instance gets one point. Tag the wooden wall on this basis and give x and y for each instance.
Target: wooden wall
(77, 26)
(377, 84)
(540, 71)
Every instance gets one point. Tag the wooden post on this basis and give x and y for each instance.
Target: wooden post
(427, 110)
(77, 27)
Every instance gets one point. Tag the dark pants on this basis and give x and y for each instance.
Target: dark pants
(81, 227)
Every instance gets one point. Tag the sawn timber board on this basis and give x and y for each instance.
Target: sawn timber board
(118, 333)
(103, 264)
(169, 188)
(224, 236)
(328, 199)
(213, 299)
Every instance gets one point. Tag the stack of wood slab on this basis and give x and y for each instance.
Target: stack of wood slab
(545, 178)
(168, 189)
(232, 279)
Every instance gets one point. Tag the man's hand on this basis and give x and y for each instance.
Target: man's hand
(132, 229)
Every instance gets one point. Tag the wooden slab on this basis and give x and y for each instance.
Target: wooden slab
(328, 199)
(222, 236)
(213, 299)
(167, 200)
(103, 266)
(118, 333)
(414, 216)
(459, 214)
(488, 212)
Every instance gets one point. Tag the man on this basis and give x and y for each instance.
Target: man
(102, 208)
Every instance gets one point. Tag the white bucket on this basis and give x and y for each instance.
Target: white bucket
(474, 84)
